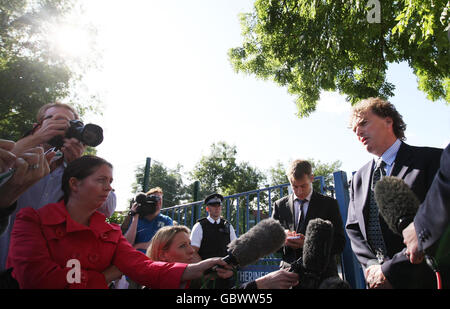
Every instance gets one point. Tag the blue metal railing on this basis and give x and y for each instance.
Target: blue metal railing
(181, 213)
(351, 269)
(194, 210)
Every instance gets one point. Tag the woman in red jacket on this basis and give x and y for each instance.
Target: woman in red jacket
(69, 245)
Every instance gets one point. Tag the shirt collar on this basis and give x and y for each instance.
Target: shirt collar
(308, 197)
(389, 155)
(212, 220)
(54, 214)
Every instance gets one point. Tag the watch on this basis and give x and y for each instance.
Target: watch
(131, 213)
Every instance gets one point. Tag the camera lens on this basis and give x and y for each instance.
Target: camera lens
(92, 135)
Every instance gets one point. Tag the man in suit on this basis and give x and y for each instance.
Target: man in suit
(430, 230)
(380, 128)
(297, 209)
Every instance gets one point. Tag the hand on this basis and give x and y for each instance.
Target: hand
(280, 279)
(7, 158)
(412, 244)
(134, 208)
(196, 270)
(375, 278)
(51, 127)
(72, 149)
(294, 243)
(29, 168)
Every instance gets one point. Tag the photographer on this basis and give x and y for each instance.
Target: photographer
(146, 219)
(50, 131)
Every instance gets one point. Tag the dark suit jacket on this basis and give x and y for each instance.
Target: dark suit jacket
(417, 167)
(432, 221)
(320, 206)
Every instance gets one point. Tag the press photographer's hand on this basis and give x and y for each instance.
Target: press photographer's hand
(72, 149)
(28, 169)
(7, 158)
(55, 125)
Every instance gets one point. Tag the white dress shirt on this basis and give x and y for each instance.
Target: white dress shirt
(197, 232)
(297, 204)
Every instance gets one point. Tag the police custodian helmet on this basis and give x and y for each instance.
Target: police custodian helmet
(214, 198)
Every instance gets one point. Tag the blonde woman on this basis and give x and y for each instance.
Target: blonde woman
(172, 243)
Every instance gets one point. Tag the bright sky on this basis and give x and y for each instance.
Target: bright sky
(169, 92)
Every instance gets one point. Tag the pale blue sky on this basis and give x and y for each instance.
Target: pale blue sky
(169, 92)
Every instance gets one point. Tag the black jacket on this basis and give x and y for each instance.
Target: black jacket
(320, 206)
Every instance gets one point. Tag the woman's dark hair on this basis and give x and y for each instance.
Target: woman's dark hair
(80, 168)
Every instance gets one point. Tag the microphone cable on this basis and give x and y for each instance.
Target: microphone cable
(432, 264)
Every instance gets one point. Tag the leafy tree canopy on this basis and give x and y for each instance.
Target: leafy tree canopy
(32, 73)
(220, 172)
(345, 46)
(277, 174)
(169, 180)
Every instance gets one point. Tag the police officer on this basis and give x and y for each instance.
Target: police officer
(211, 235)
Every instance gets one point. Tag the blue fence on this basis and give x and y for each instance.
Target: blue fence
(246, 209)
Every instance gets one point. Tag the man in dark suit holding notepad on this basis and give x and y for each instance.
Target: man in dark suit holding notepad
(297, 209)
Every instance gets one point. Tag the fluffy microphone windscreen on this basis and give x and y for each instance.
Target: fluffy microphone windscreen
(334, 283)
(262, 239)
(395, 200)
(317, 246)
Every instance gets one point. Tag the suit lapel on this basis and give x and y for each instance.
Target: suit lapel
(401, 162)
(365, 178)
(399, 169)
(311, 213)
(366, 174)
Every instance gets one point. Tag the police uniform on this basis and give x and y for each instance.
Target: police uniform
(212, 237)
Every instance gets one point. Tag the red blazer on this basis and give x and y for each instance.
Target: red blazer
(42, 241)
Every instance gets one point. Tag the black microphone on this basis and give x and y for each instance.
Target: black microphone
(334, 283)
(313, 264)
(264, 238)
(396, 202)
(398, 205)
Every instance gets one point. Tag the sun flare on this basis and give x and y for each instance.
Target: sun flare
(69, 40)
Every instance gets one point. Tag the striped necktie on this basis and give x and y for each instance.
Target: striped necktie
(374, 234)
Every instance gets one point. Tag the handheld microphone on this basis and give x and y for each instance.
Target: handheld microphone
(264, 238)
(334, 283)
(316, 253)
(398, 205)
(396, 202)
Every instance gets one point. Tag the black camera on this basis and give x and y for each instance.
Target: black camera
(90, 134)
(147, 204)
